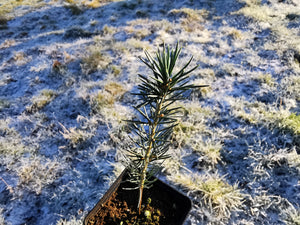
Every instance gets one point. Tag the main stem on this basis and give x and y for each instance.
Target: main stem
(148, 152)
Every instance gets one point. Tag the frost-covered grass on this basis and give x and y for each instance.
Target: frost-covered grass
(8, 7)
(215, 194)
(66, 72)
(95, 60)
(42, 99)
(72, 221)
(291, 216)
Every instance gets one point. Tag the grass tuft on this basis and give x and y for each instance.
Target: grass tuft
(87, 3)
(102, 99)
(4, 104)
(190, 14)
(266, 79)
(212, 191)
(134, 43)
(209, 150)
(105, 103)
(41, 100)
(11, 141)
(20, 58)
(95, 60)
(116, 70)
(7, 9)
(8, 42)
(137, 31)
(93, 4)
(75, 135)
(291, 87)
(191, 19)
(270, 17)
(268, 116)
(12, 146)
(291, 216)
(108, 30)
(193, 124)
(35, 173)
(114, 88)
(106, 98)
(71, 221)
(292, 122)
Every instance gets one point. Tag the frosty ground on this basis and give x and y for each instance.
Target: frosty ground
(67, 69)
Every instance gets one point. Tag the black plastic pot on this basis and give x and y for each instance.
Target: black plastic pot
(173, 205)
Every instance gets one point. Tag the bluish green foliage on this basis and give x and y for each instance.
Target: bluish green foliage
(156, 116)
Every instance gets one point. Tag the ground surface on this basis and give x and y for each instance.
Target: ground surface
(66, 72)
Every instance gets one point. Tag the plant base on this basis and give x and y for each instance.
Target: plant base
(118, 205)
(116, 212)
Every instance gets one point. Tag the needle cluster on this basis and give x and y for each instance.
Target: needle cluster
(156, 117)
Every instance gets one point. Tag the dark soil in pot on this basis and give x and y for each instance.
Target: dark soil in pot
(167, 207)
(116, 212)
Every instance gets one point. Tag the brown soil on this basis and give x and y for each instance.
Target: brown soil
(119, 205)
(116, 212)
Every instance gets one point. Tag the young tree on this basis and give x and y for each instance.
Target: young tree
(156, 115)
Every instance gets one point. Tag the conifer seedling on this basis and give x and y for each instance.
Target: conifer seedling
(156, 116)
